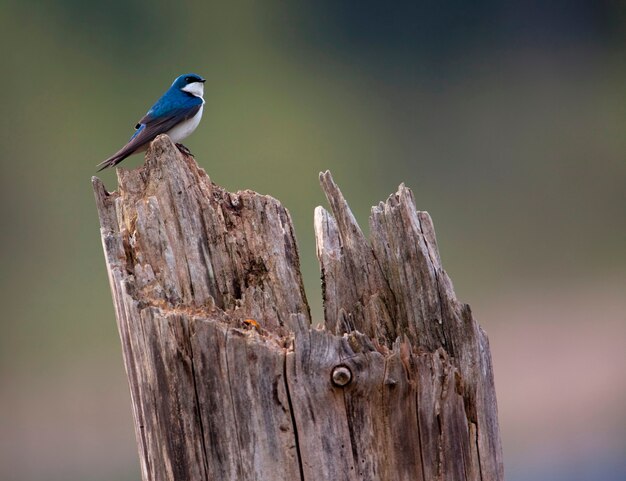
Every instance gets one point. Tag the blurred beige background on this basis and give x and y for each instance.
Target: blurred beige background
(507, 119)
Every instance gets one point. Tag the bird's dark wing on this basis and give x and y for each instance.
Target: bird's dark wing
(147, 129)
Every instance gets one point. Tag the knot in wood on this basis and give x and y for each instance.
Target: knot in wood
(341, 376)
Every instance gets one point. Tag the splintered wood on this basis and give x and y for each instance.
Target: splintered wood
(228, 379)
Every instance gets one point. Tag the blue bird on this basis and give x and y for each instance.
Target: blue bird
(177, 113)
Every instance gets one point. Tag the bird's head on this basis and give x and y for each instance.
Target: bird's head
(191, 83)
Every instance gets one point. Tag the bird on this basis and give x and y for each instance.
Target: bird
(177, 113)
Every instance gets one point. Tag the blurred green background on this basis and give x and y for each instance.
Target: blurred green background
(507, 119)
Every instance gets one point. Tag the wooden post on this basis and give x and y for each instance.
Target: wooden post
(229, 380)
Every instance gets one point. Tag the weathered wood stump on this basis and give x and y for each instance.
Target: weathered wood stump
(229, 380)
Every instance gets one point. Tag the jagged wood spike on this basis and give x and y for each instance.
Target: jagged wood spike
(362, 299)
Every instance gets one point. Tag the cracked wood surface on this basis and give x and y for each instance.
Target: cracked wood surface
(218, 397)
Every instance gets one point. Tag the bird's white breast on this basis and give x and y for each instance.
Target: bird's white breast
(186, 127)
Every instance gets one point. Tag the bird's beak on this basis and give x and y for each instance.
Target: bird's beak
(203, 80)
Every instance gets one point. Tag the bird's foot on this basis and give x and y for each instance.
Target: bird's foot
(184, 150)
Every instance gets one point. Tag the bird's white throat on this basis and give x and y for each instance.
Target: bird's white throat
(196, 89)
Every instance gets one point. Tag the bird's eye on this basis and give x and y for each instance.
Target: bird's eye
(189, 80)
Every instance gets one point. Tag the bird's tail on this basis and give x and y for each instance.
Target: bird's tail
(114, 159)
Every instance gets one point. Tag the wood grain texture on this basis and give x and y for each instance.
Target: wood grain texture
(424, 309)
(228, 379)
